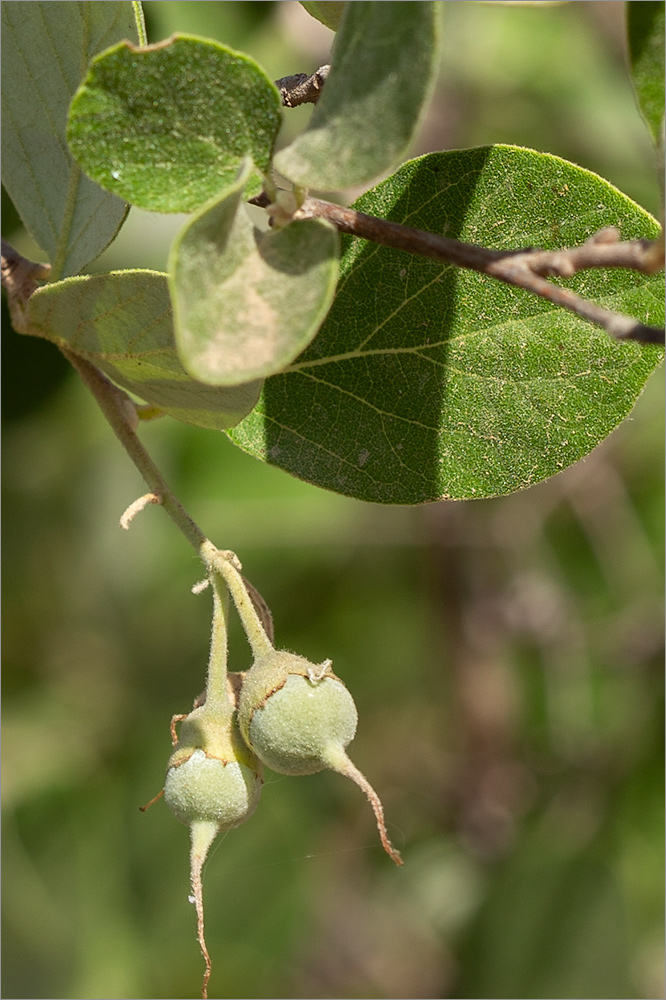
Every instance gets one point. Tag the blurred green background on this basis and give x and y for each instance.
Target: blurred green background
(506, 656)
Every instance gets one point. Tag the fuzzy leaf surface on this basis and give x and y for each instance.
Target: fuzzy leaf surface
(645, 30)
(46, 48)
(168, 126)
(430, 382)
(122, 323)
(247, 302)
(382, 74)
(328, 12)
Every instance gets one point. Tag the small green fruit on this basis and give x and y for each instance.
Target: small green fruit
(298, 718)
(205, 788)
(212, 775)
(213, 783)
(296, 727)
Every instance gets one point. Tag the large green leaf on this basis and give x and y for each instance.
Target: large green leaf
(430, 382)
(122, 323)
(247, 302)
(168, 126)
(382, 74)
(46, 48)
(645, 30)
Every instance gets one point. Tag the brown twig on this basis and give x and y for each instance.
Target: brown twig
(301, 88)
(119, 410)
(523, 268)
(20, 278)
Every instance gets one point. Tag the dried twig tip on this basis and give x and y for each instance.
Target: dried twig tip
(154, 799)
(301, 88)
(202, 835)
(136, 507)
(348, 768)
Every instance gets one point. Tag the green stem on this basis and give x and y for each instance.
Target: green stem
(140, 22)
(256, 634)
(118, 409)
(216, 678)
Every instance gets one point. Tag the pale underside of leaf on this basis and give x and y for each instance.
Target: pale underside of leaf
(45, 51)
(122, 322)
(427, 382)
(247, 302)
(382, 74)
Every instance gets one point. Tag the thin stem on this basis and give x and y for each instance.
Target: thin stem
(118, 409)
(216, 678)
(521, 268)
(202, 835)
(152, 802)
(224, 563)
(140, 22)
(616, 324)
(394, 234)
(337, 759)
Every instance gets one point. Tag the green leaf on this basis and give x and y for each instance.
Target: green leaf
(246, 302)
(429, 382)
(122, 323)
(382, 74)
(326, 11)
(645, 30)
(46, 48)
(168, 126)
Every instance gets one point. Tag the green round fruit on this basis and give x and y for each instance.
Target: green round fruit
(205, 788)
(297, 726)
